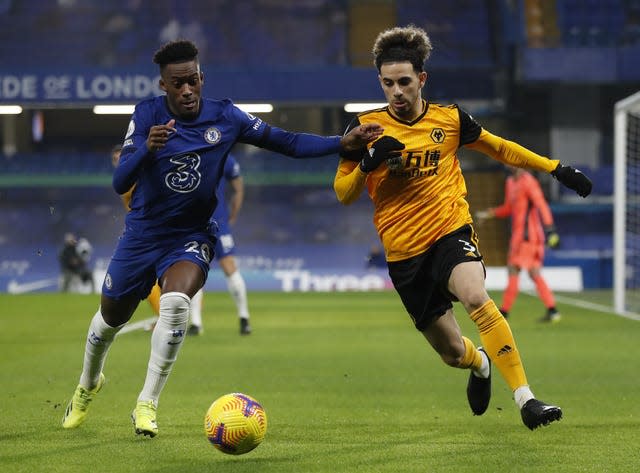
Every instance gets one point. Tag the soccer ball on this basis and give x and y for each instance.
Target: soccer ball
(235, 423)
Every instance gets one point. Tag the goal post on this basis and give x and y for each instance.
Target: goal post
(626, 207)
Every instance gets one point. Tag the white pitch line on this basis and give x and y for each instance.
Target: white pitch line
(140, 325)
(591, 306)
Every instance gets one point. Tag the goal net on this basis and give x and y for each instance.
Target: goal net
(626, 262)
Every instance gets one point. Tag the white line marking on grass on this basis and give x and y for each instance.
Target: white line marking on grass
(141, 325)
(591, 306)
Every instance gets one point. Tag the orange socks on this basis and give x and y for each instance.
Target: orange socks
(472, 358)
(544, 292)
(511, 292)
(497, 341)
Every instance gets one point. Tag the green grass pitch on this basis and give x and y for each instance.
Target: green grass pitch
(347, 383)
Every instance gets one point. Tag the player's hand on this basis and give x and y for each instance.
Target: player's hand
(385, 148)
(482, 215)
(551, 237)
(360, 136)
(159, 135)
(573, 179)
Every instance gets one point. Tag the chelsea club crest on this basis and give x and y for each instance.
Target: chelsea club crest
(212, 135)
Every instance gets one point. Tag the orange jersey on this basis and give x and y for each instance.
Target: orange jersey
(524, 202)
(422, 198)
(126, 198)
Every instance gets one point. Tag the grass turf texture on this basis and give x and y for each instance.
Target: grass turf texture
(347, 383)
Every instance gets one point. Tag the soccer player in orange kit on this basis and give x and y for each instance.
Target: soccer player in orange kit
(531, 228)
(414, 179)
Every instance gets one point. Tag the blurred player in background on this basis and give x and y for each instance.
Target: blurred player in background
(74, 263)
(225, 217)
(174, 152)
(414, 179)
(531, 227)
(375, 259)
(154, 296)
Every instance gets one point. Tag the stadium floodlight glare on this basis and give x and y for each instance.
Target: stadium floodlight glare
(125, 109)
(361, 107)
(255, 107)
(10, 109)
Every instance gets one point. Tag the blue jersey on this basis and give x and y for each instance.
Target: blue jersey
(175, 191)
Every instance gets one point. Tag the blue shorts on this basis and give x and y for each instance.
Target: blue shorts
(137, 263)
(225, 245)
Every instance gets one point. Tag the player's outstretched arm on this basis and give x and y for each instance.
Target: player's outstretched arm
(511, 153)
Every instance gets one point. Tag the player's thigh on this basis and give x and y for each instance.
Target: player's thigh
(228, 265)
(185, 265)
(183, 276)
(466, 283)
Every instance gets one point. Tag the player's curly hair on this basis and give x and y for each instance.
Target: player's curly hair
(173, 52)
(402, 43)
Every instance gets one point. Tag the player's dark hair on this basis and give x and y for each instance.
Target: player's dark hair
(399, 44)
(175, 52)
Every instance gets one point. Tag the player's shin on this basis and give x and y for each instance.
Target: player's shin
(238, 290)
(166, 341)
(99, 339)
(498, 342)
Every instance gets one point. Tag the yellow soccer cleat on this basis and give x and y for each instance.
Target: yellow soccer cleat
(76, 411)
(144, 418)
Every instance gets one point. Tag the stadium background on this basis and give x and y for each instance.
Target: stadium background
(544, 73)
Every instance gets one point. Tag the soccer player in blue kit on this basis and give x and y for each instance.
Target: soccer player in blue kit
(174, 151)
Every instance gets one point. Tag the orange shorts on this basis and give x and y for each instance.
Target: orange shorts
(527, 255)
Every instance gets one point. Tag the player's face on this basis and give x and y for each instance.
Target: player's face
(115, 158)
(402, 88)
(183, 84)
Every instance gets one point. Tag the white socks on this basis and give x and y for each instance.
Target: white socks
(166, 341)
(521, 395)
(484, 371)
(238, 291)
(196, 308)
(99, 340)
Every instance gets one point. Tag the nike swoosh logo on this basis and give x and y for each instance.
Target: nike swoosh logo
(14, 287)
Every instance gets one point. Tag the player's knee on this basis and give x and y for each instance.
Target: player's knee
(174, 307)
(474, 300)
